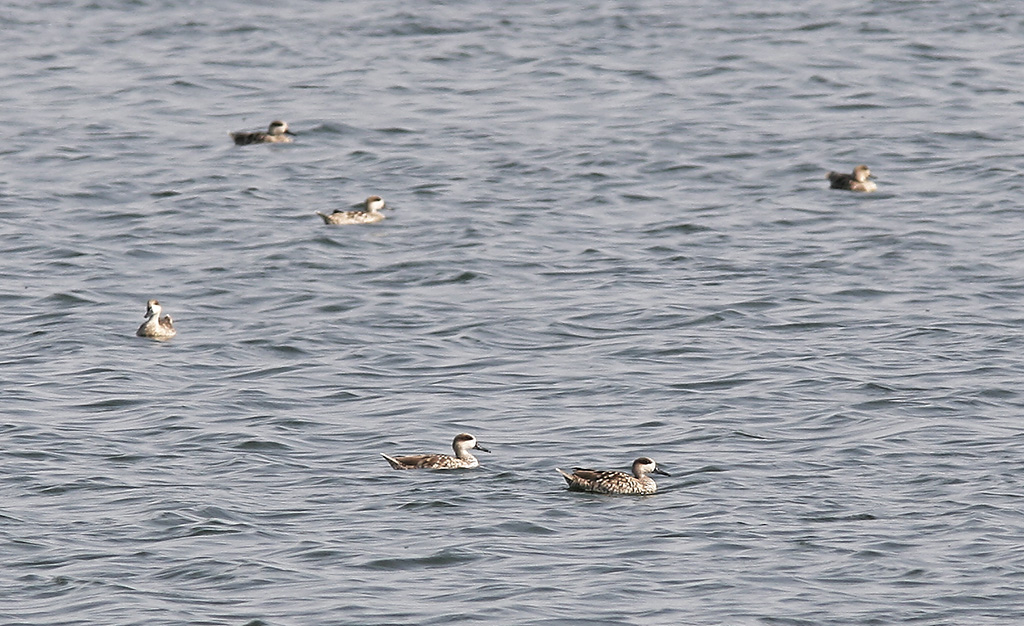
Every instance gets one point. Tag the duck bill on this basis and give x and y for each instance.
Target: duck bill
(661, 471)
(480, 448)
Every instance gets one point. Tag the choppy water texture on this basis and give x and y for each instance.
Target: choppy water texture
(611, 237)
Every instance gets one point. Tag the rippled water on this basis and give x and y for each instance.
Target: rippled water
(611, 237)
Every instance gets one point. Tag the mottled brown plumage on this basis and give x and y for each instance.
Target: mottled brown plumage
(858, 181)
(277, 132)
(155, 326)
(613, 482)
(462, 444)
(369, 214)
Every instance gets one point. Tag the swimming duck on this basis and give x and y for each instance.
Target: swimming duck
(369, 214)
(858, 181)
(608, 481)
(155, 326)
(462, 444)
(277, 132)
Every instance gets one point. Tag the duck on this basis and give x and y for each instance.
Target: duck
(858, 181)
(613, 482)
(462, 444)
(155, 326)
(277, 132)
(369, 214)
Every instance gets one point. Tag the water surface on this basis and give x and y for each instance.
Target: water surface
(611, 236)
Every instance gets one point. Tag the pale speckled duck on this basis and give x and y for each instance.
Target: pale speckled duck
(155, 326)
(858, 181)
(277, 132)
(612, 482)
(462, 444)
(369, 214)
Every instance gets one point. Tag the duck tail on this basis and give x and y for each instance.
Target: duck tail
(392, 461)
(567, 477)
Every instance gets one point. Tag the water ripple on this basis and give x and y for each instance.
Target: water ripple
(611, 237)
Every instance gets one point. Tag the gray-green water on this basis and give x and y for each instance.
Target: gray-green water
(611, 237)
